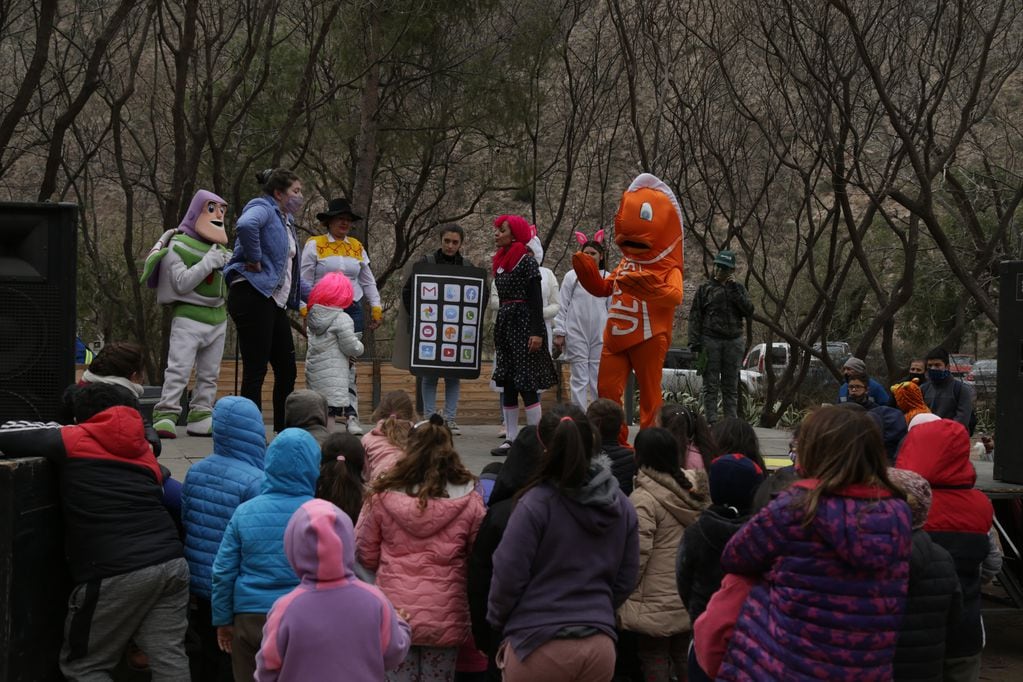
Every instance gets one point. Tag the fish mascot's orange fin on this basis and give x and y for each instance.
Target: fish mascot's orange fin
(589, 275)
(653, 287)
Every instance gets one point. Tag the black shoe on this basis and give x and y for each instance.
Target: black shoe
(502, 449)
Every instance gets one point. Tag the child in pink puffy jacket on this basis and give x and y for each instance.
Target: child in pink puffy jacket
(385, 443)
(416, 528)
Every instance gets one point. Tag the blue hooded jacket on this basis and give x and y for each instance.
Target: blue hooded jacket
(215, 486)
(251, 570)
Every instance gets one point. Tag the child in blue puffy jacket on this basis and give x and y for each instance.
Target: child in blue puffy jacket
(213, 489)
(251, 570)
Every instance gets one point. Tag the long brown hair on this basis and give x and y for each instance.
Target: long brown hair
(341, 464)
(397, 414)
(656, 448)
(429, 465)
(689, 428)
(839, 448)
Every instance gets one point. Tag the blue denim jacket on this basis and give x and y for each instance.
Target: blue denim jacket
(262, 238)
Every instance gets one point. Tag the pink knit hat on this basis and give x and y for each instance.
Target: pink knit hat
(918, 493)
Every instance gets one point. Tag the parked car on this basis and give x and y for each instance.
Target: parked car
(679, 375)
(840, 351)
(960, 364)
(817, 375)
(757, 358)
(983, 376)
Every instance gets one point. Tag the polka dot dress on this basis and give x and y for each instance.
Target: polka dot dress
(514, 363)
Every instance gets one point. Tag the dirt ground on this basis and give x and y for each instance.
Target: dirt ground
(1003, 656)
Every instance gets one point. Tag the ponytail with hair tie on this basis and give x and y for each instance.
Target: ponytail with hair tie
(568, 439)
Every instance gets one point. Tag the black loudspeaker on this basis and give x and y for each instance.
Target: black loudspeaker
(37, 307)
(34, 582)
(1009, 398)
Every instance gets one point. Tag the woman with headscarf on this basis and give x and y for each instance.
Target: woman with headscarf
(523, 364)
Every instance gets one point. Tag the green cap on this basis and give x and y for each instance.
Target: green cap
(725, 259)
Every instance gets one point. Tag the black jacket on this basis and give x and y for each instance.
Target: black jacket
(698, 564)
(110, 493)
(623, 463)
(519, 467)
(718, 311)
(968, 550)
(934, 602)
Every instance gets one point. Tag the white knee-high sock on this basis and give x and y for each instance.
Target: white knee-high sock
(533, 414)
(511, 421)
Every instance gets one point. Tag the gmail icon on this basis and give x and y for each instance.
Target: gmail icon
(429, 291)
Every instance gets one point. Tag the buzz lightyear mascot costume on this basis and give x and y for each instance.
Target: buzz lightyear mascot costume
(185, 269)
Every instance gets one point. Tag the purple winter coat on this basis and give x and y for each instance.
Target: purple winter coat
(332, 626)
(567, 558)
(833, 593)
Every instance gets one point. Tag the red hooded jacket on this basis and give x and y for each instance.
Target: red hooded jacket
(960, 516)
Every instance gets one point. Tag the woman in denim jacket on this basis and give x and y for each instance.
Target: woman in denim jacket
(263, 278)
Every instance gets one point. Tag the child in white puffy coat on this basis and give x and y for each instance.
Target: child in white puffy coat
(332, 341)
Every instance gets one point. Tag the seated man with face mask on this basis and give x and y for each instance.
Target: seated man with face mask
(947, 397)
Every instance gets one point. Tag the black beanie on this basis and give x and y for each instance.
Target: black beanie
(734, 480)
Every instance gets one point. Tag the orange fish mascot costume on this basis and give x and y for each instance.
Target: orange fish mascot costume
(645, 288)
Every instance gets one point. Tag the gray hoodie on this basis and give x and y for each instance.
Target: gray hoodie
(305, 409)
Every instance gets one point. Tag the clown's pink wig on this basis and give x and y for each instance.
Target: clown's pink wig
(517, 225)
(333, 291)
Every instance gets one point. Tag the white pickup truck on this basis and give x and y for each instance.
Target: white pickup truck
(679, 375)
(817, 375)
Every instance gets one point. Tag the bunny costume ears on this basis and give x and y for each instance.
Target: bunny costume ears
(598, 237)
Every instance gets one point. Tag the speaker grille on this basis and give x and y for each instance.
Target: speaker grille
(37, 308)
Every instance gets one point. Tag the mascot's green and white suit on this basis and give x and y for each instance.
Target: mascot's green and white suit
(184, 267)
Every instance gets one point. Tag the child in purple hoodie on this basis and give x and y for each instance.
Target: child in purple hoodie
(568, 558)
(332, 626)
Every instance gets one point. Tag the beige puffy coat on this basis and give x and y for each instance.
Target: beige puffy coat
(665, 510)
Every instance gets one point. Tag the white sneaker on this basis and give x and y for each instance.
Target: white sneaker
(453, 427)
(502, 434)
(354, 427)
(202, 427)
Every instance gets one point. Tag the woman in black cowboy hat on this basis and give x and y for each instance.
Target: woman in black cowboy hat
(338, 251)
